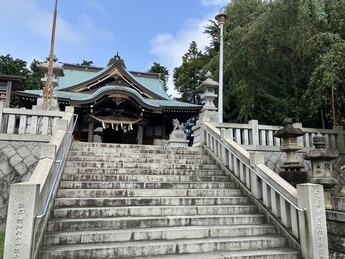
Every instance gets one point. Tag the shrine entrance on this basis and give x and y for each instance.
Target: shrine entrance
(118, 134)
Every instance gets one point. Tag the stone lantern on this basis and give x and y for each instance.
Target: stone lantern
(321, 158)
(291, 170)
(57, 71)
(207, 88)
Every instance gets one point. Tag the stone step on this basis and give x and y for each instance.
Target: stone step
(74, 224)
(96, 147)
(143, 171)
(139, 159)
(101, 153)
(80, 193)
(137, 201)
(273, 253)
(160, 247)
(144, 211)
(144, 185)
(172, 165)
(149, 201)
(143, 178)
(163, 233)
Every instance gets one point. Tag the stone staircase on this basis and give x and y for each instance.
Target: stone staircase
(132, 201)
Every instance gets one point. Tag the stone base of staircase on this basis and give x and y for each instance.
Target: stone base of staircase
(136, 201)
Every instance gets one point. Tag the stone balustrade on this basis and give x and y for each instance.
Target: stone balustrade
(27, 125)
(260, 137)
(299, 211)
(24, 231)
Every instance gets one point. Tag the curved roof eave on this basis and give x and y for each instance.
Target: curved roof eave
(108, 90)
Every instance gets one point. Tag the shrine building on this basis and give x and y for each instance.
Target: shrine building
(114, 105)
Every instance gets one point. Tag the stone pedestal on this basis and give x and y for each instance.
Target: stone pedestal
(53, 107)
(178, 138)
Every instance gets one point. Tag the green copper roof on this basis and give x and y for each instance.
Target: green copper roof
(154, 85)
(78, 83)
(83, 97)
(73, 77)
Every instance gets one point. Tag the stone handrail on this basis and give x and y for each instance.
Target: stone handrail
(25, 124)
(260, 137)
(300, 212)
(23, 233)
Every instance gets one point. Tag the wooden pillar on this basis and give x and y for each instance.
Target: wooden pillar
(90, 132)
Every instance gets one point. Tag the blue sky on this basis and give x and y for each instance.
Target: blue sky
(142, 31)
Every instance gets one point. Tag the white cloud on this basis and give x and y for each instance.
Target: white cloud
(34, 19)
(220, 3)
(93, 4)
(170, 48)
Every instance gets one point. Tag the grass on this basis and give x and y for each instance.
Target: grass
(2, 240)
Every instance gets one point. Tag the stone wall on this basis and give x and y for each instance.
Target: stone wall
(17, 163)
(336, 234)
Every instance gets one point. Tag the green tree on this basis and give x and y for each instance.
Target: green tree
(10, 66)
(326, 89)
(190, 74)
(272, 54)
(162, 71)
(86, 63)
(33, 80)
(18, 67)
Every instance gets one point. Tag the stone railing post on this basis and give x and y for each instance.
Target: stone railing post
(254, 124)
(224, 134)
(312, 222)
(256, 187)
(1, 117)
(20, 220)
(299, 125)
(340, 144)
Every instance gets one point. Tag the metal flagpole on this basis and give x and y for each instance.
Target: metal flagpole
(48, 89)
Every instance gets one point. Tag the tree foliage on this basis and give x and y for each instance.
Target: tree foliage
(190, 74)
(87, 63)
(282, 58)
(163, 71)
(18, 67)
(10, 66)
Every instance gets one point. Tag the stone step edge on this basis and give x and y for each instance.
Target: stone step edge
(126, 211)
(228, 254)
(110, 245)
(158, 206)
(152, 197)
(80, 220)
(105, 231)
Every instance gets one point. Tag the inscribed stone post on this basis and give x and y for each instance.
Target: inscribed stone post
(313, 229)
(20, 221)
